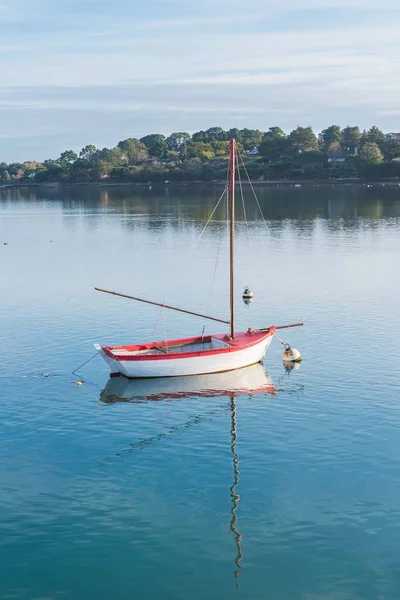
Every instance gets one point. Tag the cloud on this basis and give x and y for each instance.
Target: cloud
(59, 118)
(107, 70)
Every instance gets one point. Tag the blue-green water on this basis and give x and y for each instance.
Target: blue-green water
(285, 495)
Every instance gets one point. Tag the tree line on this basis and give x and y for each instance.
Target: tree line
(269, 155)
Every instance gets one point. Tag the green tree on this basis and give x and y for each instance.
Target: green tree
(116, 157)
(234, 134)
(302, 139)
(221, 148)
(155, 144)
(88, 152)
(102, 169)
(351, 138)
(391, 146)
(250, 138)
(6, 176)
(371, 154)
(312, 157)
(53, 170)
(172, 155)
(213, 134)
(68, 157)
(330, 135)
(374, 135)
(178, 141)
(274, 143)
(135, 150)
(200, 150)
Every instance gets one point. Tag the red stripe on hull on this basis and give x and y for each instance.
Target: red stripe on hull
(241, 342)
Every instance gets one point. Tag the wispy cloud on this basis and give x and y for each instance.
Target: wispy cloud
(102, 69)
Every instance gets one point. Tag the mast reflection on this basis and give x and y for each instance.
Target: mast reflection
(234, 495)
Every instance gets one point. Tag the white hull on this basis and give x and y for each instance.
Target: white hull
(181, 365)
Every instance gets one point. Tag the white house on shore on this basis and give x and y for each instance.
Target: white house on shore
(252, 151)
(339, 155)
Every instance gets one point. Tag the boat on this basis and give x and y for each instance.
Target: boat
(196, 355)
(250, 381)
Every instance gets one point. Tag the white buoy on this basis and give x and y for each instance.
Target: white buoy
(247, 294)
(291, 355)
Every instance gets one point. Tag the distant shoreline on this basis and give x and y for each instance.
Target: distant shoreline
(271, 183)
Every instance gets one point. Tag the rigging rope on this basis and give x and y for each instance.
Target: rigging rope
(241, 192)
(253, 190)
(226, 194)
(213, 280)
(191, 254)
(165, 330)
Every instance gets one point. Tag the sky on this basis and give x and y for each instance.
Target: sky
(74, 72)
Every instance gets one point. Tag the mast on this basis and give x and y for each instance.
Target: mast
(232, 237)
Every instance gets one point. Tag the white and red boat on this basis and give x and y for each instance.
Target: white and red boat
(189, 356)
(193, 355)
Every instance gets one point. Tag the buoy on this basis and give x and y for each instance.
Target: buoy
(79, 382)
(247, 294)
(291, 355)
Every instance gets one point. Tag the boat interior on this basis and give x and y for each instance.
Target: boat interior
(194, 345)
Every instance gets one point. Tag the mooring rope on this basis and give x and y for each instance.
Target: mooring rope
(85, 363)
(287, 346)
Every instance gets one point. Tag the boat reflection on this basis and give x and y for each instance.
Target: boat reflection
(250, 380)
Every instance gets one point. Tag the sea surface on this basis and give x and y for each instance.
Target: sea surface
(262, 484)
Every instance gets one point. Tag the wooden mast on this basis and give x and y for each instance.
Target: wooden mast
(232, 237)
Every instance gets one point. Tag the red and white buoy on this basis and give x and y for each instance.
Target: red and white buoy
(291, 355)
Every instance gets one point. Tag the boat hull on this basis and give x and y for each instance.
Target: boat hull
(247, 349)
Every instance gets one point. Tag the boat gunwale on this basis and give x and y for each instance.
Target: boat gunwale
(235, 346)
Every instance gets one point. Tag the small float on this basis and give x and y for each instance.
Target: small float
(247, 294)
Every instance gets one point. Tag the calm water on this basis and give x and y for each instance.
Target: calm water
(292, 492)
